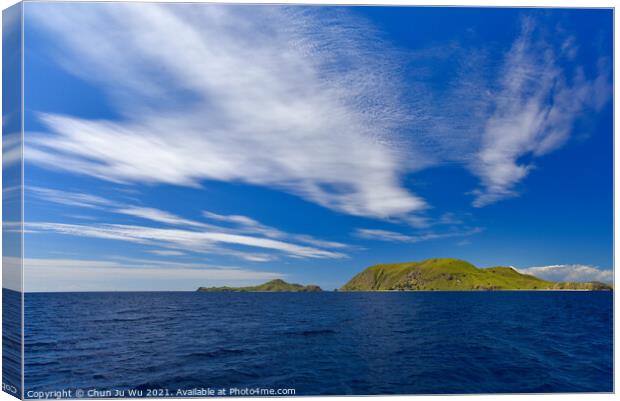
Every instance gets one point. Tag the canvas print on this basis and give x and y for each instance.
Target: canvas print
(206, 200)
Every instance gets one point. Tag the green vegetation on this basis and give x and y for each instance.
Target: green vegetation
(270, 286)
(453, 275)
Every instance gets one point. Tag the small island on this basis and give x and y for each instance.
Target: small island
(454, 275)
(277, 285)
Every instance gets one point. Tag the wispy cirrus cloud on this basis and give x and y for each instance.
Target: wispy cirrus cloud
(308, 101)
(249, 225)
(533, 109)
(393, 236)
(570, 272)
(166, 252)
(11, 149)
(237, 219)
(284, 98)
(192, 235)
(182, 239)
(160, 216)
(245, 224)
(69, 198)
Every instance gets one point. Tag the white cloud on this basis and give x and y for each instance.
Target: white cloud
(570, 272)
(159, 216)
(11, 149)
(382, 235)
(310, 102)
(195, 241)
(68, 198)
(165, 252)
(241, 234)
(237, 219)
(249, 225)
(132, 275)
(392, 236)
(534, 109)
(319, 242)
(269, 96)
(246, 224)
(256, 257)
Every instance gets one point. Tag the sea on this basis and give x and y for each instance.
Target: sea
(330, 343)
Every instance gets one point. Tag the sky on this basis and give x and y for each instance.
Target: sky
(172, 146)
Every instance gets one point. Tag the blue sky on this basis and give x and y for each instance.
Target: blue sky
(175, 146)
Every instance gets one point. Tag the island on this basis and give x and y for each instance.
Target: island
(277, 285)
(454, 275)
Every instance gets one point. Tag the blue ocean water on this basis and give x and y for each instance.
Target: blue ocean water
(322, 343)
(11, 342)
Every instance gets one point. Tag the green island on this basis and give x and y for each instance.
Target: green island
(454, 275)
(270, 286)
(429, 275)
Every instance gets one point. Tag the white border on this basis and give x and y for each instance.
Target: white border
(479, 3)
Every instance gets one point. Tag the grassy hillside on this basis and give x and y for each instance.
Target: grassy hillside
(270, 286)
(452, 275)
